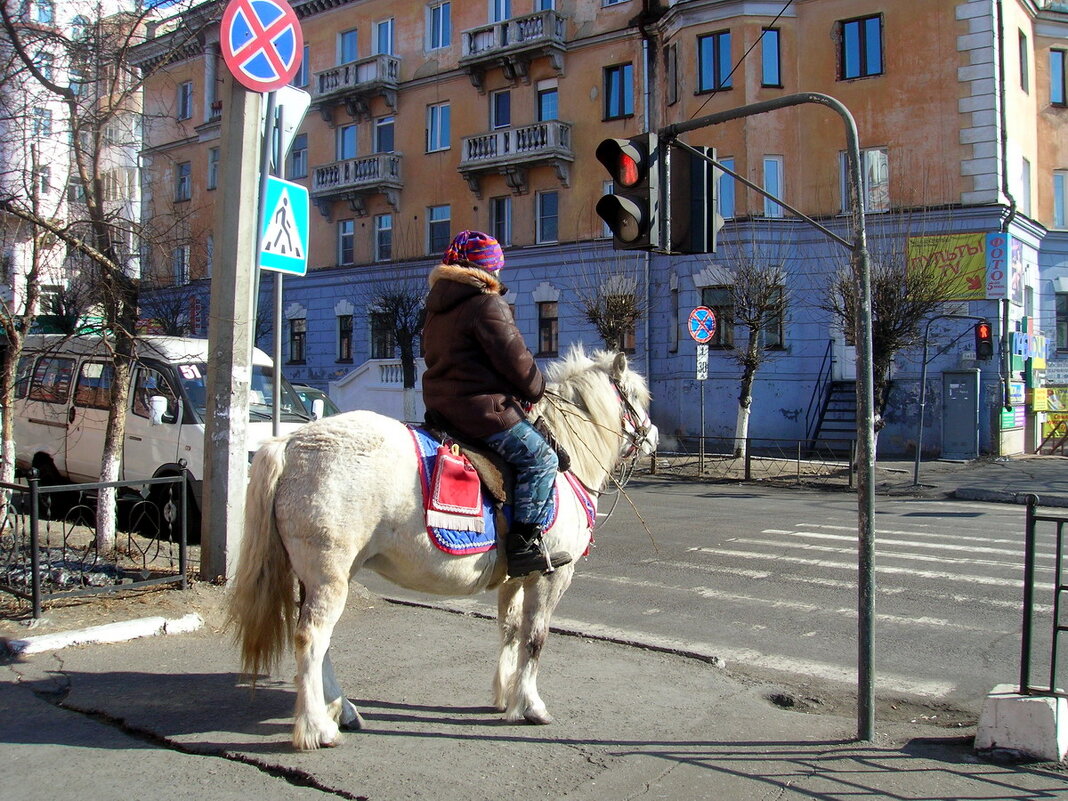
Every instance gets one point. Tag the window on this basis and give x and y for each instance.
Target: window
(439, 26)
(346, 241)
(298, 337)
(93, 389)
(346, 47)
(875, 175)
(46, 12)
(384, 37)
(180, 265)
(344, 337)
(45, 63)
(300, 78)
(1062, 320)
(772, 331)
(1060, 198)
(185, 100)
(346, 142)
(298, 157)
(618, 91)
(1056, 78)
(714, 61)
(548, 104)
(500, 10)
(439, 224)
(548, 328)
(78, 79)
(627, 338)
(773, 185)
(861, 53)
(213, 168)
(43, 180)
(548, 216)
(42, 122)
(383, 342)
(500, 109)
(544, 5)
(671, 73)
(79, 27)
(1025, 77)
(183, 181)
(720, 299)
(725, 195)
(612, 2)
(770, 58)
(501, 219)
(384, 135)
(1025, 187)
(437, 127)
(383, 237)
(51, 379)
(149, 382)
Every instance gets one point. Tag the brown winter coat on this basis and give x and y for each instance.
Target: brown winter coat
(478, 368)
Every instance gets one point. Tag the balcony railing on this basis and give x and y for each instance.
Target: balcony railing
(512, 150)
(373, 75)
(512, 43)
(351, 179)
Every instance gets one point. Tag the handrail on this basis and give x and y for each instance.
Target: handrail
(821, 390)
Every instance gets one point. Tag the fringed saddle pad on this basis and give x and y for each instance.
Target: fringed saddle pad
(455, 507)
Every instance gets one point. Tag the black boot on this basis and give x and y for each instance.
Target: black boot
(525, 551)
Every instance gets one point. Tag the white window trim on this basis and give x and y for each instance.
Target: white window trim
(774, 209)
(433, 125)
(539, 234)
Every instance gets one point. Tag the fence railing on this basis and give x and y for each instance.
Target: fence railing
(761, 459)
(1034, 548)
(49, 547)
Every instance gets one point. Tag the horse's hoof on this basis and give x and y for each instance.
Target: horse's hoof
(356, 724)
(538, 717)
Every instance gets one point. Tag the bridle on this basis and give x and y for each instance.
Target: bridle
(636, 425)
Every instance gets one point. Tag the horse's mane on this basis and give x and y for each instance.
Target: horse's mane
(582, 409)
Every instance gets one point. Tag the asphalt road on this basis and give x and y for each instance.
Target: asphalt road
(766, 580)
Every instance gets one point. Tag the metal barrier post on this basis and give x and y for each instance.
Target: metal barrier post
(184, 533)
(748, 459)
(1029, 595)
(35, 556)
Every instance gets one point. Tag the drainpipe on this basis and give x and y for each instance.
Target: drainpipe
(1004, 366)
(646, 255)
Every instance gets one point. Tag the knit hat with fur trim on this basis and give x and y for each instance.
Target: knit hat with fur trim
(475, 248)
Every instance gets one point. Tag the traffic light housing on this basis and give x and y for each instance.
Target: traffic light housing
(984, 341)
(633, 210)
(692, 221)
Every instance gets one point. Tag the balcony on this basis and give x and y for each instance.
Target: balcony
(354, 84)
(512, 45)
(512, 151)
(352, 180)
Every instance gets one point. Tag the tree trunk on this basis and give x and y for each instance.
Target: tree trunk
(745, 393)
(7, 422)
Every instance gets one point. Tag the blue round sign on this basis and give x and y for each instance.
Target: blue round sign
(702, 324)
(261, 43)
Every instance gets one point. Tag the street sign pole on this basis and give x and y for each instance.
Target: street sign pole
(276, 406)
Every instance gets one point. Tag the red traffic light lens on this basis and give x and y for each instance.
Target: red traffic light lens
(628, 170)
(982, 330)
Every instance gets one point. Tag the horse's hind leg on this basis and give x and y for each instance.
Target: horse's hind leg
(540, 597)
(314, 726)
(509, 619)
(338, 706)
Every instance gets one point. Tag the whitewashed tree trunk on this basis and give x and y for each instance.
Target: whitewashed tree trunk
(741, 428)
(409, 404)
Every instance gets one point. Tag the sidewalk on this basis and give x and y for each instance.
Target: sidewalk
(167, 716)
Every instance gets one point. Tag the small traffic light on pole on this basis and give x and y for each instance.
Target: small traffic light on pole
(984, 342)
(692, 220)
(633, 210)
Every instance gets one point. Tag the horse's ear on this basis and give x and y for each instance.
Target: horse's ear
(619, 365)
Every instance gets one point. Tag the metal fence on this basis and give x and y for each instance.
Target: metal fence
(775, 461)
(49, 547)
(1046, 546)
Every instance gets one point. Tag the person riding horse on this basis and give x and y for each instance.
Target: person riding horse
(481, 378)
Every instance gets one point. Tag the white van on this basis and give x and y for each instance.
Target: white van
(62, 400)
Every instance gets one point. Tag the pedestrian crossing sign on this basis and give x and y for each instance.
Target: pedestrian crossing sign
(284, 230)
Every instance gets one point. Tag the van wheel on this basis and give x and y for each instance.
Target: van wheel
(167, 498)
(54, 505)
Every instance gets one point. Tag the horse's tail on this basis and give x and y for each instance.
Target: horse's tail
(263, 608)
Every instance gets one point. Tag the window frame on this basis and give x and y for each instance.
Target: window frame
(718, 61)
(389, 26)
(764, 53)
(184, 103)
(1058, 77)
(1060, 198)
(1060, 311)
(772, 209)
(343, 138)
(720, 299)
(500, 109)
(618, 105)
(344, 338)
(383, 339)
(439, 26)
(344, 39)
(1025, 62)
(346, 242)
(438, 228)
(540, 110)
(501, 229)
(302, 76)
(542, 236)
(866, 158)
(298, 157)
(438, 127)
(383, 237)
(298, 340)
(212, 180)
(548, 328)
(183, 182)
(381, 125)
(726, 189)
(864, 70)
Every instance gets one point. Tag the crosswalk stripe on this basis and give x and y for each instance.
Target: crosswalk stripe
(910, 543)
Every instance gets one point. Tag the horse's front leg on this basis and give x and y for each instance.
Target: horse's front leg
(338, 706)
(540, 596)
(314, 725)
(509, 620)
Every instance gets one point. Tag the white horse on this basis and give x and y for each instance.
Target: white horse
(344, 493)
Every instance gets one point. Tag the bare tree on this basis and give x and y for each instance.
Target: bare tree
(169, 310)
(608, 293)
(399, 305)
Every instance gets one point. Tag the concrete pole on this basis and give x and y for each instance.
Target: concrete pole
(230, 332)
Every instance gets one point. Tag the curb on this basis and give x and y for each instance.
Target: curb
(107, 633)
(1005, 496)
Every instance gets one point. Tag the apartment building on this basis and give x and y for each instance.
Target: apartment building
(429, 117)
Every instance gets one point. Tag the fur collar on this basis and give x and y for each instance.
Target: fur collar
(482, 280)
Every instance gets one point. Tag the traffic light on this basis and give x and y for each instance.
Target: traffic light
(984, 342)
(633, 209)
(692, 220)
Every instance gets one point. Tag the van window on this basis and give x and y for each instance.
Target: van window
(149, 382)
(51, 379)
(93, 389)
(22, 377)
